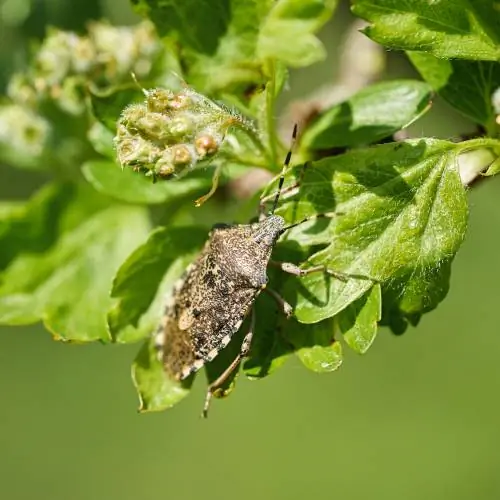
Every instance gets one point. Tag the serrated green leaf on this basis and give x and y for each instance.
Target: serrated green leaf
(146, 276)
(358, 321)
(464, 29)
(132, 187)
(375, 112)
(467, 85)
(156, 391)
(402, 212)
(287, 33)
(66, 284)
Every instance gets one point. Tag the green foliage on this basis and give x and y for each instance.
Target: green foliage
(94, 253)
(464, 29)
(370, 115)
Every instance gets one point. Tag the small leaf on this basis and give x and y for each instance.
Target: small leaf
(66, 284)
(493, 169)
(156, 390)
(315, 346)
(376, 112)
(467, 85)
(161, 260)
(132, 187)
(402, 213)
(464, 29)
(358, 321)
(287, 33)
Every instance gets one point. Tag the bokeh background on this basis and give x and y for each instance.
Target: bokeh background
(414, 418)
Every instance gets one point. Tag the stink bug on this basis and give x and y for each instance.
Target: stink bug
(217, 291)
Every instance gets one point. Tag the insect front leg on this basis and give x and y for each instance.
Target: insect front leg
(244, 350)
(285, 307)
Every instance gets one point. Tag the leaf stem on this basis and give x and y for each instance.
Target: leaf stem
(480, 142)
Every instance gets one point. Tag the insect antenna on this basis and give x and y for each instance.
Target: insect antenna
(286, 164)
(279, 192)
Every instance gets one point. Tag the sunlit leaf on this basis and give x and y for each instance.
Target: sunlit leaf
(358, 322)
(126, 185)
(402, 212)
(66, 282)
(375, 112)
(465, 29)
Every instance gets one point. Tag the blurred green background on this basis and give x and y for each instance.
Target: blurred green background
(416, 417)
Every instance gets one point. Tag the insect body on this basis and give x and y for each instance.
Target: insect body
(217, 291)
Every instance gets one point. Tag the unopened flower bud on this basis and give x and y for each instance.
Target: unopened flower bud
(206, 145)
(136, 151)
(158, 100)
(181, 155)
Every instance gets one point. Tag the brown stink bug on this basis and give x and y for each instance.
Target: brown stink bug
(217, 291)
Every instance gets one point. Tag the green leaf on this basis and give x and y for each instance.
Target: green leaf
(315, 346)
(402, 213)
(467, 85)
(232, 50)
(493, 169)
(101, 139)
(358, 321)
(146, 276)
(376, 112)
(33, 226)
(66, 284)
(464, 29)
(287, 32)
(132, 187)
(156, 391)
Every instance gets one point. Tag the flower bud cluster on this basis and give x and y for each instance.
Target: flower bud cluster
(66, 64)
(171, 133)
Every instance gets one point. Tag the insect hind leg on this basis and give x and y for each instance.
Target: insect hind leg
(219, 381)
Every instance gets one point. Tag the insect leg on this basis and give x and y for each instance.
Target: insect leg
(285, 307)
(245, 348)
(290, 268)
